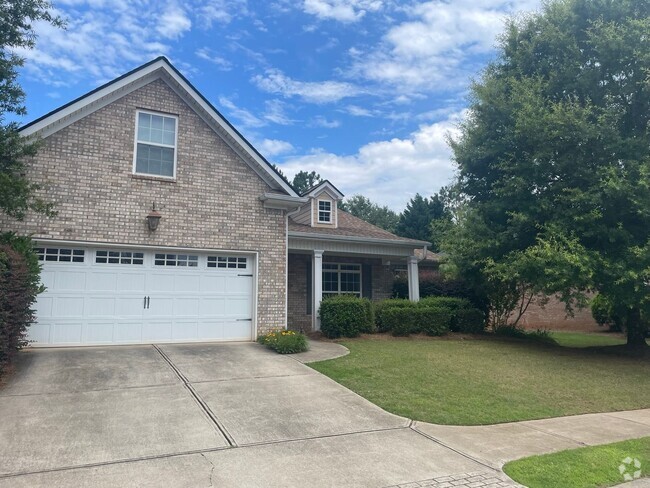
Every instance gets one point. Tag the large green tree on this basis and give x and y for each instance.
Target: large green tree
(554, 158)
(304, 180)
(17, 194)
(415, 222)
(367, 210)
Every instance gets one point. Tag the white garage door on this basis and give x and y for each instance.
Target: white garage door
(130, 296)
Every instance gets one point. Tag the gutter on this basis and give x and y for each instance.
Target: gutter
(283, 202)
(373, 240)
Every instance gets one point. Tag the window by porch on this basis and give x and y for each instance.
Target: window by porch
(341, 279)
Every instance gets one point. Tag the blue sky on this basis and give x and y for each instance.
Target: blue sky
(362, 91)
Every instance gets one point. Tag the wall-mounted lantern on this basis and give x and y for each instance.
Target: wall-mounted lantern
(153, 218)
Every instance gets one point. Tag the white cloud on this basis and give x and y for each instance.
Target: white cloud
(358, 111)
(274, 147)
(341, 10)
(222, 63)
(173, 22)
(388, 172)
(320, 121)
(276, 112)
(246, 118)
(275, 81)
(434, 49)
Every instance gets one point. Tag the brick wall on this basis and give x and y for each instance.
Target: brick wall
(382, 285)
(86, 170)
(553, 316)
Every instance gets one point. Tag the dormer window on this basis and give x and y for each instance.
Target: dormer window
(155, 145)
(324, 212)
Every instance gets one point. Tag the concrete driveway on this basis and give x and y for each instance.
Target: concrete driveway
(203, 415)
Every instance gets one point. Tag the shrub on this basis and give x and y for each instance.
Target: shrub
(603, 313)
(19, 286)
(346, 316)
(401, 321)
(433, 321)
(451, 303)
(285, 341)
(539, 335)
(469, 321)
(382, 307)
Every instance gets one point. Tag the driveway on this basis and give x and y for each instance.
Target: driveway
(204, 415)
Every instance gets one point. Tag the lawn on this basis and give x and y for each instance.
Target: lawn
(586, 467)
(577, 339)
(486, 380)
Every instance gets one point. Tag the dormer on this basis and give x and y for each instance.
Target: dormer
(322, 211)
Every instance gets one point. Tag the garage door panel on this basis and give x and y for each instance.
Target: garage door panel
(101, 306)
(185, 330)
(128, 302)
(160, 282)
(99, 332)
(70, 280)
(131, 282)
(44, 307)
(104, 281)
(66, 332)
(187, 283)
(68, 306)
(128, 332)
(184, 307)
(239, 285)
(157, 330)
(213, 284)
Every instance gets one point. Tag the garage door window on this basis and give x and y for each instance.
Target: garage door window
(58, 254)
(119, 257)
(231, 262)
(187, 260)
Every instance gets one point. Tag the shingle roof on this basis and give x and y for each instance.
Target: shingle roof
(349, 225)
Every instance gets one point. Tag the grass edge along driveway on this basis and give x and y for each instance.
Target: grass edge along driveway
(460, 381)
(584, 467)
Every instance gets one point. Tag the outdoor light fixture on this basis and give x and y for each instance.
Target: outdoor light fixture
(153, 219)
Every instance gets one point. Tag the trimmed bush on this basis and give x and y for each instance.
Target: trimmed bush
(19, 286)
(285, 341)
(386, 305)
(469, 321)
(451, 303)
(346, 316)
(433, 321)
(401, 321)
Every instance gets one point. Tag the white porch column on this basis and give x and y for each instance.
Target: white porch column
(413, 278)
(317, 273)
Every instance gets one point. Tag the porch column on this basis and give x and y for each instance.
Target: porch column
(413, 278)
(317, 269)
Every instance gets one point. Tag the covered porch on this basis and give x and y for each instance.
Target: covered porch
(320, 266)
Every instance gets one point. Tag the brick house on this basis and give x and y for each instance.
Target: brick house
(171, 227)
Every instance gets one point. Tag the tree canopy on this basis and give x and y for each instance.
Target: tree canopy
(554, 158)
(17, 194)
(365, 209)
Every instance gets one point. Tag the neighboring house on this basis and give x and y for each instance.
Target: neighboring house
(171, 227)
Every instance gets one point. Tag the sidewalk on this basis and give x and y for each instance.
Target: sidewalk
(497, 444)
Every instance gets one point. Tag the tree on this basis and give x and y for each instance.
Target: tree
(416, 220)
(304, 180)
(17, 194)
(554, 157)
(365, 209)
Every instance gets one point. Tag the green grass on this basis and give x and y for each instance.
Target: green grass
(487, 381)
(586, 467)
(578, 339)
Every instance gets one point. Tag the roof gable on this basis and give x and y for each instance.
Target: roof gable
(324, 186)
(159, 68)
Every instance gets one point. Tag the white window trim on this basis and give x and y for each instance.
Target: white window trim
(338, 274)
(135, 143)
(330, 212)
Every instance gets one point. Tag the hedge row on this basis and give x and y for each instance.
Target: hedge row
(348, 316)
(19, 286)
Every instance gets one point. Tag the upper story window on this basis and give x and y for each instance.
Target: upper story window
(324, 212)
(155, 147)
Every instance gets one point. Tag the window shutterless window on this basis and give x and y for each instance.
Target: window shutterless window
(324, 211)
(341, 279)
(155, 144)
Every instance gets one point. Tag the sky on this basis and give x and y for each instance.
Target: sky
(364, 92)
